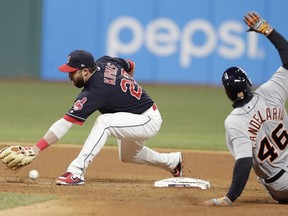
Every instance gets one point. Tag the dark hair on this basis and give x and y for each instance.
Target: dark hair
(92, 69)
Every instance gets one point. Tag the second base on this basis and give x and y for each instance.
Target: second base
(183, 182)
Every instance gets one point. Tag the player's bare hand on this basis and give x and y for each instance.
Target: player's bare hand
(223, 201)
(257, 23)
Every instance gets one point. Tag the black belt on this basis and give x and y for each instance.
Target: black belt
(276, 177)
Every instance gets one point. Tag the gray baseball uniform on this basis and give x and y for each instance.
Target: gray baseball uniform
(262, 124)
(256, 130)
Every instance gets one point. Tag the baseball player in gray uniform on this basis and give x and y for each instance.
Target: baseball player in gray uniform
(257, 128)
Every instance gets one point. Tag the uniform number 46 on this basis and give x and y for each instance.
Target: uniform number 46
(268, 151)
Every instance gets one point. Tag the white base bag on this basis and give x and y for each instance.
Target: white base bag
(183, 182)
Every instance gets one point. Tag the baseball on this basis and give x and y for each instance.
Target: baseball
(33, 174)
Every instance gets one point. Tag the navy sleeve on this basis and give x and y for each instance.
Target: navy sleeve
(281, 45)
(241, 174)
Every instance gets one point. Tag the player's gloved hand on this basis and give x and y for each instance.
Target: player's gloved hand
(223, 201)
(16, 157)
(257, 24)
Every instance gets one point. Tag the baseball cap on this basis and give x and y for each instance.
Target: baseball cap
(76, 60)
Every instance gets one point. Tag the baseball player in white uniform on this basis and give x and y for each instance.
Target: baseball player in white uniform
(257, 128)
(127, 113)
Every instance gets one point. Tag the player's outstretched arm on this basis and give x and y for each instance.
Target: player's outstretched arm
(15, 157)
(281, 44)
(55, 132)
(48, 139)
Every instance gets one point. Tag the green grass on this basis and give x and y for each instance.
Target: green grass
(193, 116)
(10, 200)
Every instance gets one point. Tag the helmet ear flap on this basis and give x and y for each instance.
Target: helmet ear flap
(236, 83)
(249, 81)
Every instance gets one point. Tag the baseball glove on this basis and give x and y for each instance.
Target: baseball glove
(16, 157)
(257, 23)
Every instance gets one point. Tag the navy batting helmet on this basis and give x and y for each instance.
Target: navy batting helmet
(236, 83)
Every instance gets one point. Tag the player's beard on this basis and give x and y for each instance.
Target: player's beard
(78, 82)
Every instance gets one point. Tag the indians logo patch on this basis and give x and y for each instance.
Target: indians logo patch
(78, 105)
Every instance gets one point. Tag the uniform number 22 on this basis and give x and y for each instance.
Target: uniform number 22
(135, 92)
(268, 151)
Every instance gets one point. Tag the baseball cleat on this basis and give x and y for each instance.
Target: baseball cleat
(178, 170)
(69, 178)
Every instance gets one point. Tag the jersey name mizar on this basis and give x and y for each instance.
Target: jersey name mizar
(110, 89)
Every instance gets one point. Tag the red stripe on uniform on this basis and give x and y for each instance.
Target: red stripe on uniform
(132, 65)
(154, 107)
(72, 120)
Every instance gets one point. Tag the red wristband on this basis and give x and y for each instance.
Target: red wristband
(42, 144)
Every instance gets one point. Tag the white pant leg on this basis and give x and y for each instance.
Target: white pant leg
(136, 152)
(125, 127)
(92, 146)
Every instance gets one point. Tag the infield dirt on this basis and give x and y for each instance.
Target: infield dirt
(116, 188)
